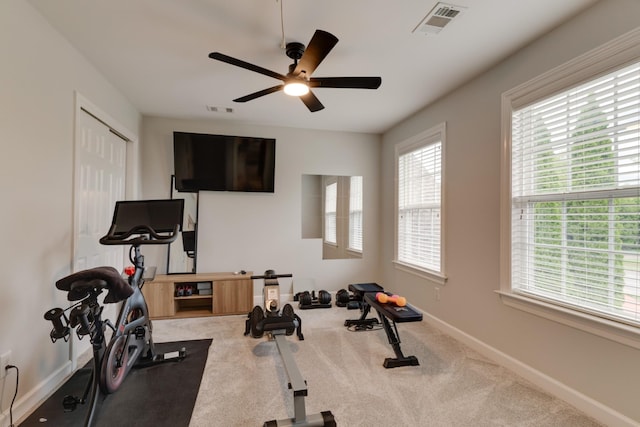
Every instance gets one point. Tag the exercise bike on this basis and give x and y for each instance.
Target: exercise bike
(135, 223)
(278, 324)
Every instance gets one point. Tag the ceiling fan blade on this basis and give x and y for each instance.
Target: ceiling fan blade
(312, 103)
(346, 82)
(247, 66)
(319, 47)
(259, 94)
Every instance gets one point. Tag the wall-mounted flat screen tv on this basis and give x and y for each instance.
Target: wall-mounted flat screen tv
(204, 162)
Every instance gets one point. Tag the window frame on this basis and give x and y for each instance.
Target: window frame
(327, 215)
(428, 137)
(605, 59)
(358, 227)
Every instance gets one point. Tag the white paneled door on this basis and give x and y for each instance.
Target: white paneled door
(100, 182)
(100, 172)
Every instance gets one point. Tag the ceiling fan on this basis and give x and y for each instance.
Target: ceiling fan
(298, 81)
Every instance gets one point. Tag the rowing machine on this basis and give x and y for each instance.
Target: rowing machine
(277, 325)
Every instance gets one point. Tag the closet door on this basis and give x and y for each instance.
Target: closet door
(99, 183)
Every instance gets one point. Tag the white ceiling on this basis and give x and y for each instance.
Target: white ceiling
(156, 52)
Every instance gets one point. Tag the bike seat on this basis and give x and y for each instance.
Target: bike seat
(81, 284)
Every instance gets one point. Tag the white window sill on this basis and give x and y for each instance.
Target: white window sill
(614, 331)
(433, 276)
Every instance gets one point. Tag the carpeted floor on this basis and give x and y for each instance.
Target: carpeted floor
(159, 395)
(244, 383)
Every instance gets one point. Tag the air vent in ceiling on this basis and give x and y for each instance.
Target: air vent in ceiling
(439, 17)
(215, 109)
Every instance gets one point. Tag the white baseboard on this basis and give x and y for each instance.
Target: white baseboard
(589, 406)
(25, 405)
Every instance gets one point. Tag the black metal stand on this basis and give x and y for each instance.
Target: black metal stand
(394, 340)
(299, 388)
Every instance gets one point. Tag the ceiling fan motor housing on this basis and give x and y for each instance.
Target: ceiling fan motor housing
(295, 50)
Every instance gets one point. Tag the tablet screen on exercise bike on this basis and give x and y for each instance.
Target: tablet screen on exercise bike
(160, 215)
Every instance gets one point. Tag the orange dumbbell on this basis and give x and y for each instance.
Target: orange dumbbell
(383, 298)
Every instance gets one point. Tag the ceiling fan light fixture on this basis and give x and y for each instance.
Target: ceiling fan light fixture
(296, 88)
(298, 81)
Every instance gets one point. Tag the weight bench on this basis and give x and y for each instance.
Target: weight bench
(389, 315)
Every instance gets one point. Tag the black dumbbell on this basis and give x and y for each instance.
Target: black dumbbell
(342, 298)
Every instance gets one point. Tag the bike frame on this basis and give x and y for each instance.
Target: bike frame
(125, 326)
(134, 345)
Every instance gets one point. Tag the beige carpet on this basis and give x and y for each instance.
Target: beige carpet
(244, 382)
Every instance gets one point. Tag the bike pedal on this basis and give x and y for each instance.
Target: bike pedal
(81, 331)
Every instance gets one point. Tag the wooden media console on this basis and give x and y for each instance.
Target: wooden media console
(198, 295)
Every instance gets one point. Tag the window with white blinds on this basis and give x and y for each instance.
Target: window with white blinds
(355, 213)
(419, 201)
(330, 213)
(575, 197)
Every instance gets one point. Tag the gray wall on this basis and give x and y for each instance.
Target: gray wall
(257, 231)
(598, 368)
(39, 76)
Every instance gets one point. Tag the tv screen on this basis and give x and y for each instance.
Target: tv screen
(161, 215)
(223, 163)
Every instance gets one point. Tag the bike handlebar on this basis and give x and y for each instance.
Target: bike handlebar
(145, 236)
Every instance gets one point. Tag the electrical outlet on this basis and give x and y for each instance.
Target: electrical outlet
(437, 294)
(5, 359)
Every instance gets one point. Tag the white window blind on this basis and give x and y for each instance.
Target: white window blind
(419, 174)
(355, 213)
(575, 197)
(330, 207)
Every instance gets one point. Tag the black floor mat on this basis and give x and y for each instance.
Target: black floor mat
(159, 395)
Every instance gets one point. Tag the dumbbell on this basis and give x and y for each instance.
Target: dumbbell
(324, 297)
(383, 298)
(342, 298)
(305, 298)
(308, 298)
